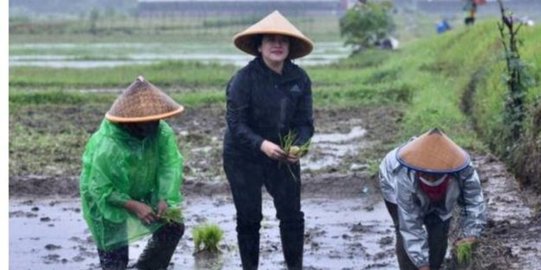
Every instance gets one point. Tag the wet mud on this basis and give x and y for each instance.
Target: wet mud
(347, 225)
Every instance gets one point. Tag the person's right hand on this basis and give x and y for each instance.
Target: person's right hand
(143, 211)
(162, 207)
(273, 151)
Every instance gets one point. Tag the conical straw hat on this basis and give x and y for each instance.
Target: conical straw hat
(142, 102)
(433, 152)
(274, 23)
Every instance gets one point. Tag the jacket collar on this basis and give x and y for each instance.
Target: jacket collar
(290, 72)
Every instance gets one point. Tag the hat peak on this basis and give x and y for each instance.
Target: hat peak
(433, 152)
(141, 102)
(435, 130)
(274, 24)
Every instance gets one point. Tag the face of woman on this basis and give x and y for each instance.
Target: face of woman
(274, 48)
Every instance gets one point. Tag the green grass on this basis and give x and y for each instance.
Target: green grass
(18, 99)
(186, 74)
(173, 29)
(50, 154)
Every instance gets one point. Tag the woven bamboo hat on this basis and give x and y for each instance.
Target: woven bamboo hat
(274, 23)
(433, 152)
(142, 102)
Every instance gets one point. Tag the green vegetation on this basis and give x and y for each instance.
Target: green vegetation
(364, 24)
(451, 81)
(287, 143)
(463, 253)
(172, 215)
(207, 237)
(97, 28)
(186, 74)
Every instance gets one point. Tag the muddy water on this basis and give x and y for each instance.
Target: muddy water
(330, 149)
(119, 54)
(351, 233)
(347, 226)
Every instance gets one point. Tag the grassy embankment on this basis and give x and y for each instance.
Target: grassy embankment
(432, 80)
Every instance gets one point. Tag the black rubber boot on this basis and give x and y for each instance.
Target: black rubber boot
(249, 250)
(293, 246)
(116, 259)
(160, 247)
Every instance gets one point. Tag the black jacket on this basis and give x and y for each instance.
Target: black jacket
(264, 105)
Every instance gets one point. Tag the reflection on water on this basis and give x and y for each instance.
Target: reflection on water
(118, 54)
(331, 149)
(50, 234)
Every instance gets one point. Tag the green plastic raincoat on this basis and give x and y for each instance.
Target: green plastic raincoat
(118, 167)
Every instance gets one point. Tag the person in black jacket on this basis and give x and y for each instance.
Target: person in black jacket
(267, 99)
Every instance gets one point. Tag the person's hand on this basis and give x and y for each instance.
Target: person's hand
(162, 206)
(273, 151)
(291, 158)
(143, 211)
(467, 240)
(426, 267)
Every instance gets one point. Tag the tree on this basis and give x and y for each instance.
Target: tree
(365, 24)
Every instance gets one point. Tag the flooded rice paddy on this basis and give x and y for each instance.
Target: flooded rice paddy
(71, 55)
(347, 225)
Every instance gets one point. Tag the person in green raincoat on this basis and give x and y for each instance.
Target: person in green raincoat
(131, 176)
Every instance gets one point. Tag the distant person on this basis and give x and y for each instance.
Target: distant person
(443, 26)
(470, 7)
(421, 182)
(132, 175)
(266, 100)
(387, 43)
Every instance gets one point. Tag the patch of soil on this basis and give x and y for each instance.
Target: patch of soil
(200, 131)
(335, 196)
(509, 240)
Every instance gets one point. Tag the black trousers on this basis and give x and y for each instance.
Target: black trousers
(156, 255)
(437, 230)
(246, 178)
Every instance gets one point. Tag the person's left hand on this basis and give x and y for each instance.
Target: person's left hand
(162, 206)
(291, 158)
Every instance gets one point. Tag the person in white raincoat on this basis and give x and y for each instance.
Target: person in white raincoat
(421, 182)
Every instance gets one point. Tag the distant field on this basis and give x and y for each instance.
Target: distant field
(157, 29)
(122, 40)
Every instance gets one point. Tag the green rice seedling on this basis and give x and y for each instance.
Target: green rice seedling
(207, 235)
(287, 143)
(172, 215)
(464, 253)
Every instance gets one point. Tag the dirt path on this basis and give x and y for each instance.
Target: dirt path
(511, 238)
(347, 226)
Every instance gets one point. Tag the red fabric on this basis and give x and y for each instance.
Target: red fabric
(480, 2)
(436, 193)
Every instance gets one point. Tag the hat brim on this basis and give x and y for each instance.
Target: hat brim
(433, 152)
(427, 169)
(117, 119)
(298, 46)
